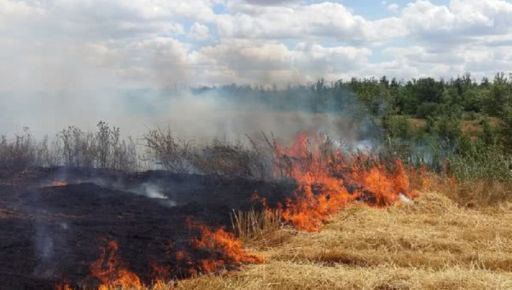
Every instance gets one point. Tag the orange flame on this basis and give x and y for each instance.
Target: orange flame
(59, 183)
(324, 176)
(109, 271)
(327, 182)
(222, 246)
(161, 275)
(63, 286)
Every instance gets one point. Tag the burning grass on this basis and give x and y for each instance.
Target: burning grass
(350, 224)
(327, 182)
(431, 244)
(110, 271)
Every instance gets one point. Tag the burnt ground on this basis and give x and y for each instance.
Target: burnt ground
(51, 234)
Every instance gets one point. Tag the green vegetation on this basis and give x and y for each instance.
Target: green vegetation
(461, 125)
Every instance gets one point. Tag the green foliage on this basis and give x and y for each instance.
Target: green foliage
(481, 163)
(428, 109)
(429, 121)
(398, 127)
(506, 131)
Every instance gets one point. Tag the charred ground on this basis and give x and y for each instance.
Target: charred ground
(54, 220)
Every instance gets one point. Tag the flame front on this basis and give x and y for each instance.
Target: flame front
(222, 249)
(63, 286)
(109, 271)
(327, 181)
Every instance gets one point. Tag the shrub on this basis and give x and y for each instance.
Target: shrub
(398, 127)
(102, 149)
(168, 151)
(218, 157)
(72, 147)
(481, 164)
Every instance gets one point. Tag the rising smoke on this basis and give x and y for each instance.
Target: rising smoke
(192, 115)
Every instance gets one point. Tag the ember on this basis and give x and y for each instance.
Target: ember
(58, 183)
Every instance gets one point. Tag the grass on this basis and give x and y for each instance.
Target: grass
(480, 193)
(432, 244)
(257, 226)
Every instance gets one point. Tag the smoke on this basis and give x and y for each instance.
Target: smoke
(153, 191)
(49, 238)
(70, 65)
(198, 115)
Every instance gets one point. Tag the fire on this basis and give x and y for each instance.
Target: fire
(161, 274)
(63, 286)
(327, 181)
(109, 271)
(222, 248)
(58, 183)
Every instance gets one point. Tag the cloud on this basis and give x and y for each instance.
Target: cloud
(272, 2)
(85, 55)
(393, 7)
(325, 20)
(268, 62)
(58, 45)
(459, 19)
(199, 31)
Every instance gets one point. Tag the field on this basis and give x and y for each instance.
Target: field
(431, 244)
(316, 218)
(255, 144)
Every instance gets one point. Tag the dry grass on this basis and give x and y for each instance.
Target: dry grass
(258, 227)
(432, 244)
(480, 193)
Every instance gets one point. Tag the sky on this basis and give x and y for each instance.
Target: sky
(58, 53)
(50, 45)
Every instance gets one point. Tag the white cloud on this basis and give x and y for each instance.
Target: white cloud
(272, 2)
(56, 43)
(461, 18)
(326, 20)
(253, 62)
(393, 7)
(199, 31)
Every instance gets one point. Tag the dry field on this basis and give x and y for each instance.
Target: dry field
(431, 244)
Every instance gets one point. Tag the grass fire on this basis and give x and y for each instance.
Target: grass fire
(255, 144)
(100, 228)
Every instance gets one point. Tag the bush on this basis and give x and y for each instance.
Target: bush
(17, 154)
(218, 157)
(398, 127)
(484, 164)
(101, 149)
(427, 109)
(73, 148)
(164, 149)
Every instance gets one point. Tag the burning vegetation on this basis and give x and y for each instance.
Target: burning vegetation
(182, 217)
(326, 180)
